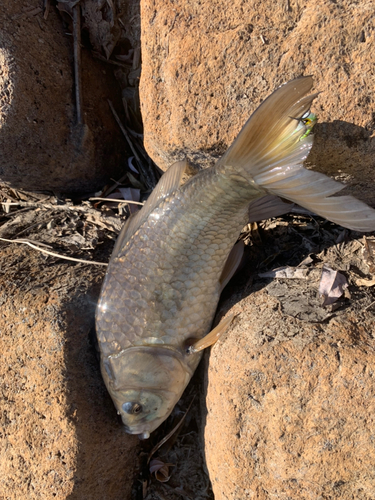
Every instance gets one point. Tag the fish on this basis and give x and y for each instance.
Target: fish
(173, 258)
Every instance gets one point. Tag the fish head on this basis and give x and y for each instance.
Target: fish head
(145, 384)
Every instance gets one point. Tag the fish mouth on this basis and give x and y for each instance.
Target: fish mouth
(141, 435)
(144, 435)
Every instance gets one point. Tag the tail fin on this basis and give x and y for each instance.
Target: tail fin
(272, 146)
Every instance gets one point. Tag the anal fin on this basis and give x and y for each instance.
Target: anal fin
(268, 206)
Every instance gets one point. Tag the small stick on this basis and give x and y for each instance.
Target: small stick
(48, 206)
(124, 131)
(46, 9)
(112, 7)
(16, 212)
(26, 242)
(129, 202)
(77, 61)
(65, 207)
(165, 438)
(148, 176)
(370, 305)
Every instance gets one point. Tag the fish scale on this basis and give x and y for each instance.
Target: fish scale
(211, 234)
(172, 259)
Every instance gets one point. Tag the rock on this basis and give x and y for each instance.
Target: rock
(42, 148)
(59, 436)
(206, 69)
(289, 407)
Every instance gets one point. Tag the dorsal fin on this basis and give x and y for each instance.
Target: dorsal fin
(167, 185)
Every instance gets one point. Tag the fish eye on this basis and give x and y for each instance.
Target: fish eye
(132, 408)
(305, 115)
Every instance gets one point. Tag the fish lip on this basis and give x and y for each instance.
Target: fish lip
(144, 435)
(141, 435)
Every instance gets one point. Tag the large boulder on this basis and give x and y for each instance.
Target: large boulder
(289, 403)
(290, 417)
(206, 68)
(289, 391)
(59, 436)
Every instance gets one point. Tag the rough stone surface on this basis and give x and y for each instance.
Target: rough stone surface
(59, 436)
(290, 403)
(206, 68)
(42, 148)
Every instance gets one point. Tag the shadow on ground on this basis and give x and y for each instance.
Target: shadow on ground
(107, 457)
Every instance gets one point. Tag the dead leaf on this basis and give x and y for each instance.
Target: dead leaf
(369, 253)
(133, 194)
(287, 272)
(102, 23)
(160, 469)
(364, 282)
(131, 165)
(332, 285)
(110, 223)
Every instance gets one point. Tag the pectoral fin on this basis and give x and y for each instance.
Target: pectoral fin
(211, 337)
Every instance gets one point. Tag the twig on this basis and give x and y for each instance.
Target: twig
(149, 178)
(10, 203)
(115, 185)
(28, 11)
(130, 202)
(165, 438)
(65, 206)
(16, 212)
(46, 8)
(36, 243)
(28, 228)
(26, 242)
(124, 131)
(77, 61)
(112, 7)
(135, 134)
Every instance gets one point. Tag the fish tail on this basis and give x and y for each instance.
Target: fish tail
(270, 151)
